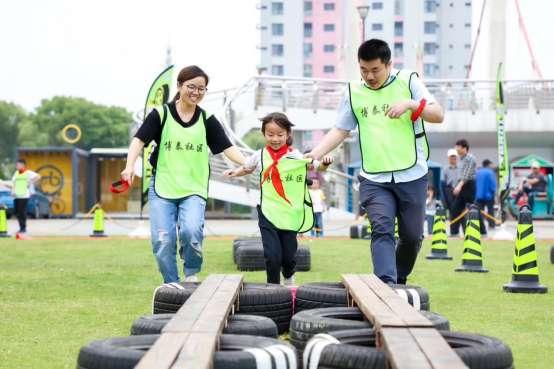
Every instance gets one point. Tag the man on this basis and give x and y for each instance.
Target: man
(22, 180)
(388, 107)
(451, 176)
(464, 191)
(485, 183)
(534, 183)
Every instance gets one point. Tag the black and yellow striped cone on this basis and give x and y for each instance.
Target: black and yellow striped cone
(396, 229)
(98, 224)
(439, 247)
(552, 254)
(525, 274)
(472, 259)
(3, 223)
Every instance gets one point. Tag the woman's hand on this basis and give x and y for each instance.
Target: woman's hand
(327, 160)
(128, 174)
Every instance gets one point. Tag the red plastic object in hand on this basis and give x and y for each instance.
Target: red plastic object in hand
(417, 113)
(119, 186)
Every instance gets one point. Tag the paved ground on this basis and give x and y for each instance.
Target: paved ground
(544, 230)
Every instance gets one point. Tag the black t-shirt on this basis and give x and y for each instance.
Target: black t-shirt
(151, 130)
(540, 186)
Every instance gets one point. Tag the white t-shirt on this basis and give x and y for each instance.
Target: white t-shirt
(318, 200)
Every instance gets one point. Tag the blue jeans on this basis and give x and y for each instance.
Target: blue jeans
(392, 262)
(167, 217)
(317, 230)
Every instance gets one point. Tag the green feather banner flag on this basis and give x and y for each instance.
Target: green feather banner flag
(503, 165)
(157, 96)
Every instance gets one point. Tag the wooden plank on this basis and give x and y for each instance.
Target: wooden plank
(410, 316)
(198, 352)
(402, 350)
(436, 349)
(164, 352)
(375, 309)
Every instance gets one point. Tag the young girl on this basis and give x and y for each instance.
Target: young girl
(430, 209)
(285, 207)
(318, 201)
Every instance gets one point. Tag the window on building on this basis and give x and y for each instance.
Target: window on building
(377, 27)
(450, 67)
(398, 49)
(430, 27)
(329, 27)
(307, 30)
(328, 69)
(329, 6)
(277, 29)
(398, 65)
(467, 46)
(398, 28)
(276, 8)
(468, 3)
(308, 50)
(467, 25)
(451, 25)
(430, 48)
(377, 5)
(451, 5)
(450, 46)
(430, 6)
(308, 7)
(430, 69)
(277, 70)
(277, 50)
(329, 48)
(398, 9)
(308, 70)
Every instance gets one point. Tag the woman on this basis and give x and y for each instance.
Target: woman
(183, 132)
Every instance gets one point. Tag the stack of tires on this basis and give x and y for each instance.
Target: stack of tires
(267, 300)
(248, 255)
(359, 231)
(250, 336)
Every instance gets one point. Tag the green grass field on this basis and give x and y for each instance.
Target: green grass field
(58, 294)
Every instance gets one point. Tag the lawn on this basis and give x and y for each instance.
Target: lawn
(58, 294)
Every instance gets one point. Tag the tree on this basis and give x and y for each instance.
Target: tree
(254, 139)
(101, 126)
(11, 117)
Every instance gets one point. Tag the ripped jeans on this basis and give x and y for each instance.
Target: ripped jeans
(167, 217)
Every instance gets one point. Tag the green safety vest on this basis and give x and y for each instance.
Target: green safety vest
(298, 216)
(183, 167)
(386, 144)
(21, 184)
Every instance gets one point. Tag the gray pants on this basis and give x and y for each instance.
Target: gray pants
(383, 202)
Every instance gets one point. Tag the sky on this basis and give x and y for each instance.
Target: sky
(109, 51)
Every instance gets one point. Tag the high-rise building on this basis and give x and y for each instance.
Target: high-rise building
(314, 38)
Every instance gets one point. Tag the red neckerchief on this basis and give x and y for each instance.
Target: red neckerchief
(22, 170)
(273, 171)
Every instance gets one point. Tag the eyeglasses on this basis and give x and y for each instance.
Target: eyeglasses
(201, 90)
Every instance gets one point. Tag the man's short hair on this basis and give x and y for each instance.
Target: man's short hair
(21, 161)
(463, 143)
(374, 49)
(486, 163)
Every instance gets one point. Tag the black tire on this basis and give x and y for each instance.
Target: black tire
(308, 323)
(172, 295)
(303, 259)
(250, 258)
(237, 324)
(552, 254)
(316, 295)
(126, 352)
(476, 351)
(239, 242)
(269, 300)
(355, 231)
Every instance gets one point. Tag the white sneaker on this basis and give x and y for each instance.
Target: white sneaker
(289, 282)
(191, 278)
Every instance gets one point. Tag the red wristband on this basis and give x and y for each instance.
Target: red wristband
(419, 110)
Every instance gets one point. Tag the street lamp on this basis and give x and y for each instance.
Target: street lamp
(363, 10)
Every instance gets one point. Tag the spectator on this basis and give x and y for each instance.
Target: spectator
(534, 183)
(485, 183)
(430, 208)
(22, 179)
(451, 177)
(318, 202)
(464, 191)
